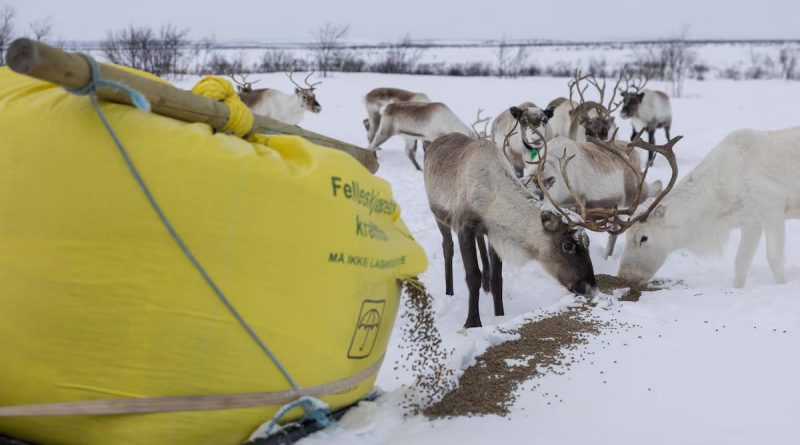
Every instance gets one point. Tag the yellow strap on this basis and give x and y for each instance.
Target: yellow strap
(240, 119)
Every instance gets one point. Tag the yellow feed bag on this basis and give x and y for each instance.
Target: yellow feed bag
(97, 302)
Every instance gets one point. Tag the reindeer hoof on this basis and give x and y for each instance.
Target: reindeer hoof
(473, 323)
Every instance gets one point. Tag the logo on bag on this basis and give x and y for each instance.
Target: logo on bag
(367, 328)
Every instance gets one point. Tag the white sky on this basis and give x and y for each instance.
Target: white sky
(380, 20)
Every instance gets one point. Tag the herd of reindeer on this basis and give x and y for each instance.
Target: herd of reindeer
(532, 184)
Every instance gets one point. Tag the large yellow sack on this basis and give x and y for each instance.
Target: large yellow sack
(98, 302)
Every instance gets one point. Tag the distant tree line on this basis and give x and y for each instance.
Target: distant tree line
(168, 50)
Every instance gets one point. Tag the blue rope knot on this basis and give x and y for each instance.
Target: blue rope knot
(95, 82)
(314, 408)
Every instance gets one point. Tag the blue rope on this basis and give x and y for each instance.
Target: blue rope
(314, 408)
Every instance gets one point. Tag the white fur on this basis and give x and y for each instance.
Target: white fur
(280, 106)
(654, 111)
(750, 180)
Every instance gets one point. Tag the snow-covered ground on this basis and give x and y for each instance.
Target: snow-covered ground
(706, 364)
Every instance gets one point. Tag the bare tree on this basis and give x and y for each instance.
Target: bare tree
(401, 57)
(788, 61)
(159, 52)
(7, 16)
(328, 40)
(677, 58)
(510, 63)
(41, 29)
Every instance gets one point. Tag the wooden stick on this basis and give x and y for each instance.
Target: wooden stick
(70, 70)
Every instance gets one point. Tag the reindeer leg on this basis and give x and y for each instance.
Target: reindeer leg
(651, 138)
(447, 248)
(497, 281)
(486, 268)
(411, 152)
(466, 240)
(775, 230)
(382, 135)
(751, 235)
(612, 241)
(374, 123)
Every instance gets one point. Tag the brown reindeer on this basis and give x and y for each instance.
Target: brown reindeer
(472, 189)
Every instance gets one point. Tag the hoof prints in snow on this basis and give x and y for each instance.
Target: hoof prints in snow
(488, 387)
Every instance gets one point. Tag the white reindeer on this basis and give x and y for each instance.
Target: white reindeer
(526, 120)
(472, 189)
(750, 180)
(288, 108)
(648, 110)
(421, 121)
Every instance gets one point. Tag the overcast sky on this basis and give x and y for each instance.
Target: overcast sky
(379, 20)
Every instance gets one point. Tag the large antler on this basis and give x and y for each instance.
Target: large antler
(591, 80)
(242, 84)
(309, 86)
(612, 220)
(481, 134)
(634, 84)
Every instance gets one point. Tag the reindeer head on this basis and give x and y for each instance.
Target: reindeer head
(308, 101)
(534, 121)
(630, 104)
(594, 117)
(596, 121)
(647, 247)
(566, 256)
(632, 93)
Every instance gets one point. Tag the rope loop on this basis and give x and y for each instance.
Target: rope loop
(95, 81)
(315, 410)
(240, 118)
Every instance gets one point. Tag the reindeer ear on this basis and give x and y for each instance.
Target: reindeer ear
(659, 211)
(548, 112)
(640, 96)
(548, 182)
(516, 112)
(297, 90)
(550, 221)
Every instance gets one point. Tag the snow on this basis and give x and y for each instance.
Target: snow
(704, 363)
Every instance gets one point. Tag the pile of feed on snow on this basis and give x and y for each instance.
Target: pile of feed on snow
(424, 352)
(488, 386)
(607, 284)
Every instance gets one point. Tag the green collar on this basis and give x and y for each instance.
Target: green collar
(534, 152)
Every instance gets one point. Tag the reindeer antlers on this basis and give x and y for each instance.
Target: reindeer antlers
(309, 86)
(242, 85)
(609, 219)
(481, 134)
(632, 84)
(575, 83)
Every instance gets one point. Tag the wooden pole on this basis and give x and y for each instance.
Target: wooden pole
(70, 70)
